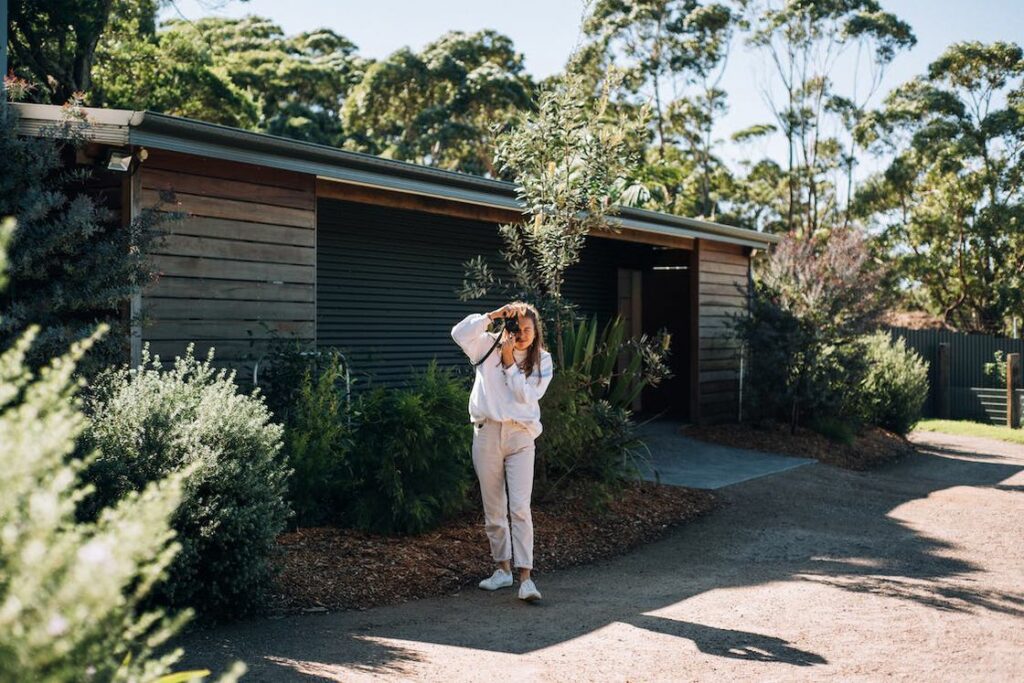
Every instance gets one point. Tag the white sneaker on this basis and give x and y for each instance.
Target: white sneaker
(528, 591)
(499, 579)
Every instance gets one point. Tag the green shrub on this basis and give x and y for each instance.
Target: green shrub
(593, 352)
(147, 422)
(587, 443)
(317, 439)
(995, 371)
(834, 428)
(72, 263)
(71, 593)
(895, 386)
(410, 457)
(797, 372)
(282, 368)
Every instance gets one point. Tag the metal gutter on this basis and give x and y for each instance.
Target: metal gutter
(160, 131)
(106, 126)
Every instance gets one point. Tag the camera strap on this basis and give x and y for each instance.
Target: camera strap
(493, 346)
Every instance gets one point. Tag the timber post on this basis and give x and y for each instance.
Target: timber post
(1012, 404)
(942, 394)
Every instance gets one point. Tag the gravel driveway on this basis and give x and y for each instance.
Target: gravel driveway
(912, 572)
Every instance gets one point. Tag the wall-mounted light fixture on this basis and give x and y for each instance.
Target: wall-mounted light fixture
(119, 160)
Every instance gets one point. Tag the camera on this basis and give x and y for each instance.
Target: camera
(511, 323)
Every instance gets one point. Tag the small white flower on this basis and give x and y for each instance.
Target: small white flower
(94, 552)
(57, 626)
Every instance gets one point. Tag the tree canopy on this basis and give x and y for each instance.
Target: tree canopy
(945, 212)
(438, 106)
(951, 203)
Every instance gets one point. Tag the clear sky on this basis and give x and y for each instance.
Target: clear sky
(546, 31)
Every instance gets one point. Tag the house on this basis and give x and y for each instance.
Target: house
(336, 248)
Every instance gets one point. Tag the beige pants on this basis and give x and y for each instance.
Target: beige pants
(503, 454)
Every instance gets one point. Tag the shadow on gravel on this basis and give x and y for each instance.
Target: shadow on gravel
(730, 643)
(813, 523)
(957, 451)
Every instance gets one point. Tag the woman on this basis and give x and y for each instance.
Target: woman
(505, 412)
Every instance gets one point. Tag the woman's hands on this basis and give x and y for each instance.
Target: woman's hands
(507, 345)
(507, 340)
(508, 310)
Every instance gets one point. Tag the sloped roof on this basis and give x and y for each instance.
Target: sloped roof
(123, 128)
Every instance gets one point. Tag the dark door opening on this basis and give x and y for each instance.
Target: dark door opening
(666, 304)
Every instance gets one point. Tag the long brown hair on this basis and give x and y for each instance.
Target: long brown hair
(533, 353)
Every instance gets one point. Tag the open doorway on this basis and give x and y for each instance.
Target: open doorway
(654, 297)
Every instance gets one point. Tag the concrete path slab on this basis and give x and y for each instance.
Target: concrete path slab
(681, 461)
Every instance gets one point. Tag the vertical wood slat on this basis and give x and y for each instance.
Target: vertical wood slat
(722, 292)
(134, 210)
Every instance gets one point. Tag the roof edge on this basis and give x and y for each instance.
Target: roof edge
(162, 131)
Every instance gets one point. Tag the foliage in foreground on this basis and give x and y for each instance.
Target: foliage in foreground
(72, 264)
(147, 422)
(71, 593)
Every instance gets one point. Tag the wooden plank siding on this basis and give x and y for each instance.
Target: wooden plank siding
(722, 294)
(239, 269)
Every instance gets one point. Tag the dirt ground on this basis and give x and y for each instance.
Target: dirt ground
(914, 571)
(328, 568)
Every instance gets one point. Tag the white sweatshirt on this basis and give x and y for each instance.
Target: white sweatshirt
(501, 393)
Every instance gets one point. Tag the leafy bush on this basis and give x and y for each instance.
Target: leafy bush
(797, 371)
(71, 593)
(409, 459)
(834, 428)
(995, 371)
(282, 368)
(593, 352)
(895, 385)
(72, 264)
(148, 422)
(317, 439)
(585, 440)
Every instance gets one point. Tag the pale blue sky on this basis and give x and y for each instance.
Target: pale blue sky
(546, 31)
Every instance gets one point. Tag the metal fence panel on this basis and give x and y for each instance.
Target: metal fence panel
(973, 395)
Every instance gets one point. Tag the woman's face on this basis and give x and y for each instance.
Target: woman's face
(526, 333)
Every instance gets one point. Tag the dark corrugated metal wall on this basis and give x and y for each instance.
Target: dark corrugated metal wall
(968, 354)
(387, 281)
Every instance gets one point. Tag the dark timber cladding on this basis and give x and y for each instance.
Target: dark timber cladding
(239, 268)
(722, 293)
(387, 281)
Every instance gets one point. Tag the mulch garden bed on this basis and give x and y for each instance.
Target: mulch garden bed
(873, 447)
(326, 568)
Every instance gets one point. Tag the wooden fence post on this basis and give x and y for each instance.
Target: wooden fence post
(942, 393)
(1012, 404)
